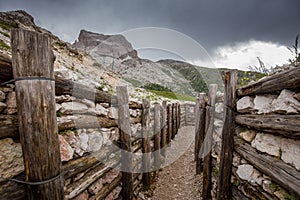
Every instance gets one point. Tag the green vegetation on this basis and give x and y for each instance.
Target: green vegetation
(60, 44)
(157, 87)
(134, 82)
(173, 95)
(292, 196)
(236, 183)
(59, 114)
(8, 26)
(215, 171)
(274, 187)
(3, 45)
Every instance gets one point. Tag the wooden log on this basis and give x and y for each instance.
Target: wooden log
(164, 128)
(170, 126)
(108, 188)
(32, 56)
(156, 130)
(209, 124)
(82, 184)
(200, 132)
(237, 195)
(228, 131)
(125, 138)
(280, 172)
(9, 123)
(285, 125)
(9, 126)
(70, 169)
(289, 79)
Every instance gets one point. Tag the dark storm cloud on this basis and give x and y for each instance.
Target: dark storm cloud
(210, 22)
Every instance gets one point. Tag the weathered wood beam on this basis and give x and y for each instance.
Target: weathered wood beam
(289, 79)
(280, 172)
(32, 56)
(286, 125)
(228, 131)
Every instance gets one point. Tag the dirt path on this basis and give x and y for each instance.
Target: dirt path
(178, 180)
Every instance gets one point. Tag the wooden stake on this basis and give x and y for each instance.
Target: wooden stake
(157, 136)
(146, 149)
(206, 194)
(125, 137)
(169, 138)
(164, 129)
(32, 56)
(223, 190)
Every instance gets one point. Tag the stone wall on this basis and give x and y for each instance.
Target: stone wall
(249, 180)
(75, 143)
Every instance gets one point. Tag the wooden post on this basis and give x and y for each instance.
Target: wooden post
(146, 149)
(179, 115)
(197, 116)
(164, 129)
(125, 138)
(201, 131)
(169, 138)
(157, 135)
(185, 114)
(173, 121)
(223, 190)
(32, 56)
(206, 194)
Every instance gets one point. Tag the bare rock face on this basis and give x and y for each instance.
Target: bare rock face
(2, 96)
(247, 172)
(248, 135)
(99, 45)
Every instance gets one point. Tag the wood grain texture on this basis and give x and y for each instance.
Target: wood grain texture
(285, 125)
(209, 124)
(289, 79)
(146, 148)
(228, 131)
(32, 56)
(280, 172)
(169, 122)
(163, 128)
(125, 138)
(157, 136)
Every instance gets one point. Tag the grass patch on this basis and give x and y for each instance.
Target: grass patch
(134, 82)
(60, 44)
(173, 95)
(8, 26)
(3, 45)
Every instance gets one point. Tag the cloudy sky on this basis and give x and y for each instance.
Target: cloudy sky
(233, 32)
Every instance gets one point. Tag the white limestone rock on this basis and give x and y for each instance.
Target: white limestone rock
(73, 108)
(57, 107)
(245, 105)
(263, 104)
(267, 143)
(113, 113)
(248, 135)
(95, 141)
(248, 173)
(100, 110)
(286, 103)
(290, 152)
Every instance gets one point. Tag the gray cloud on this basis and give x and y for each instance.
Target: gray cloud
(211, 22)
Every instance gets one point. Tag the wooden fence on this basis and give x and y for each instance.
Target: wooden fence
(242, 166)
(36, 125)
